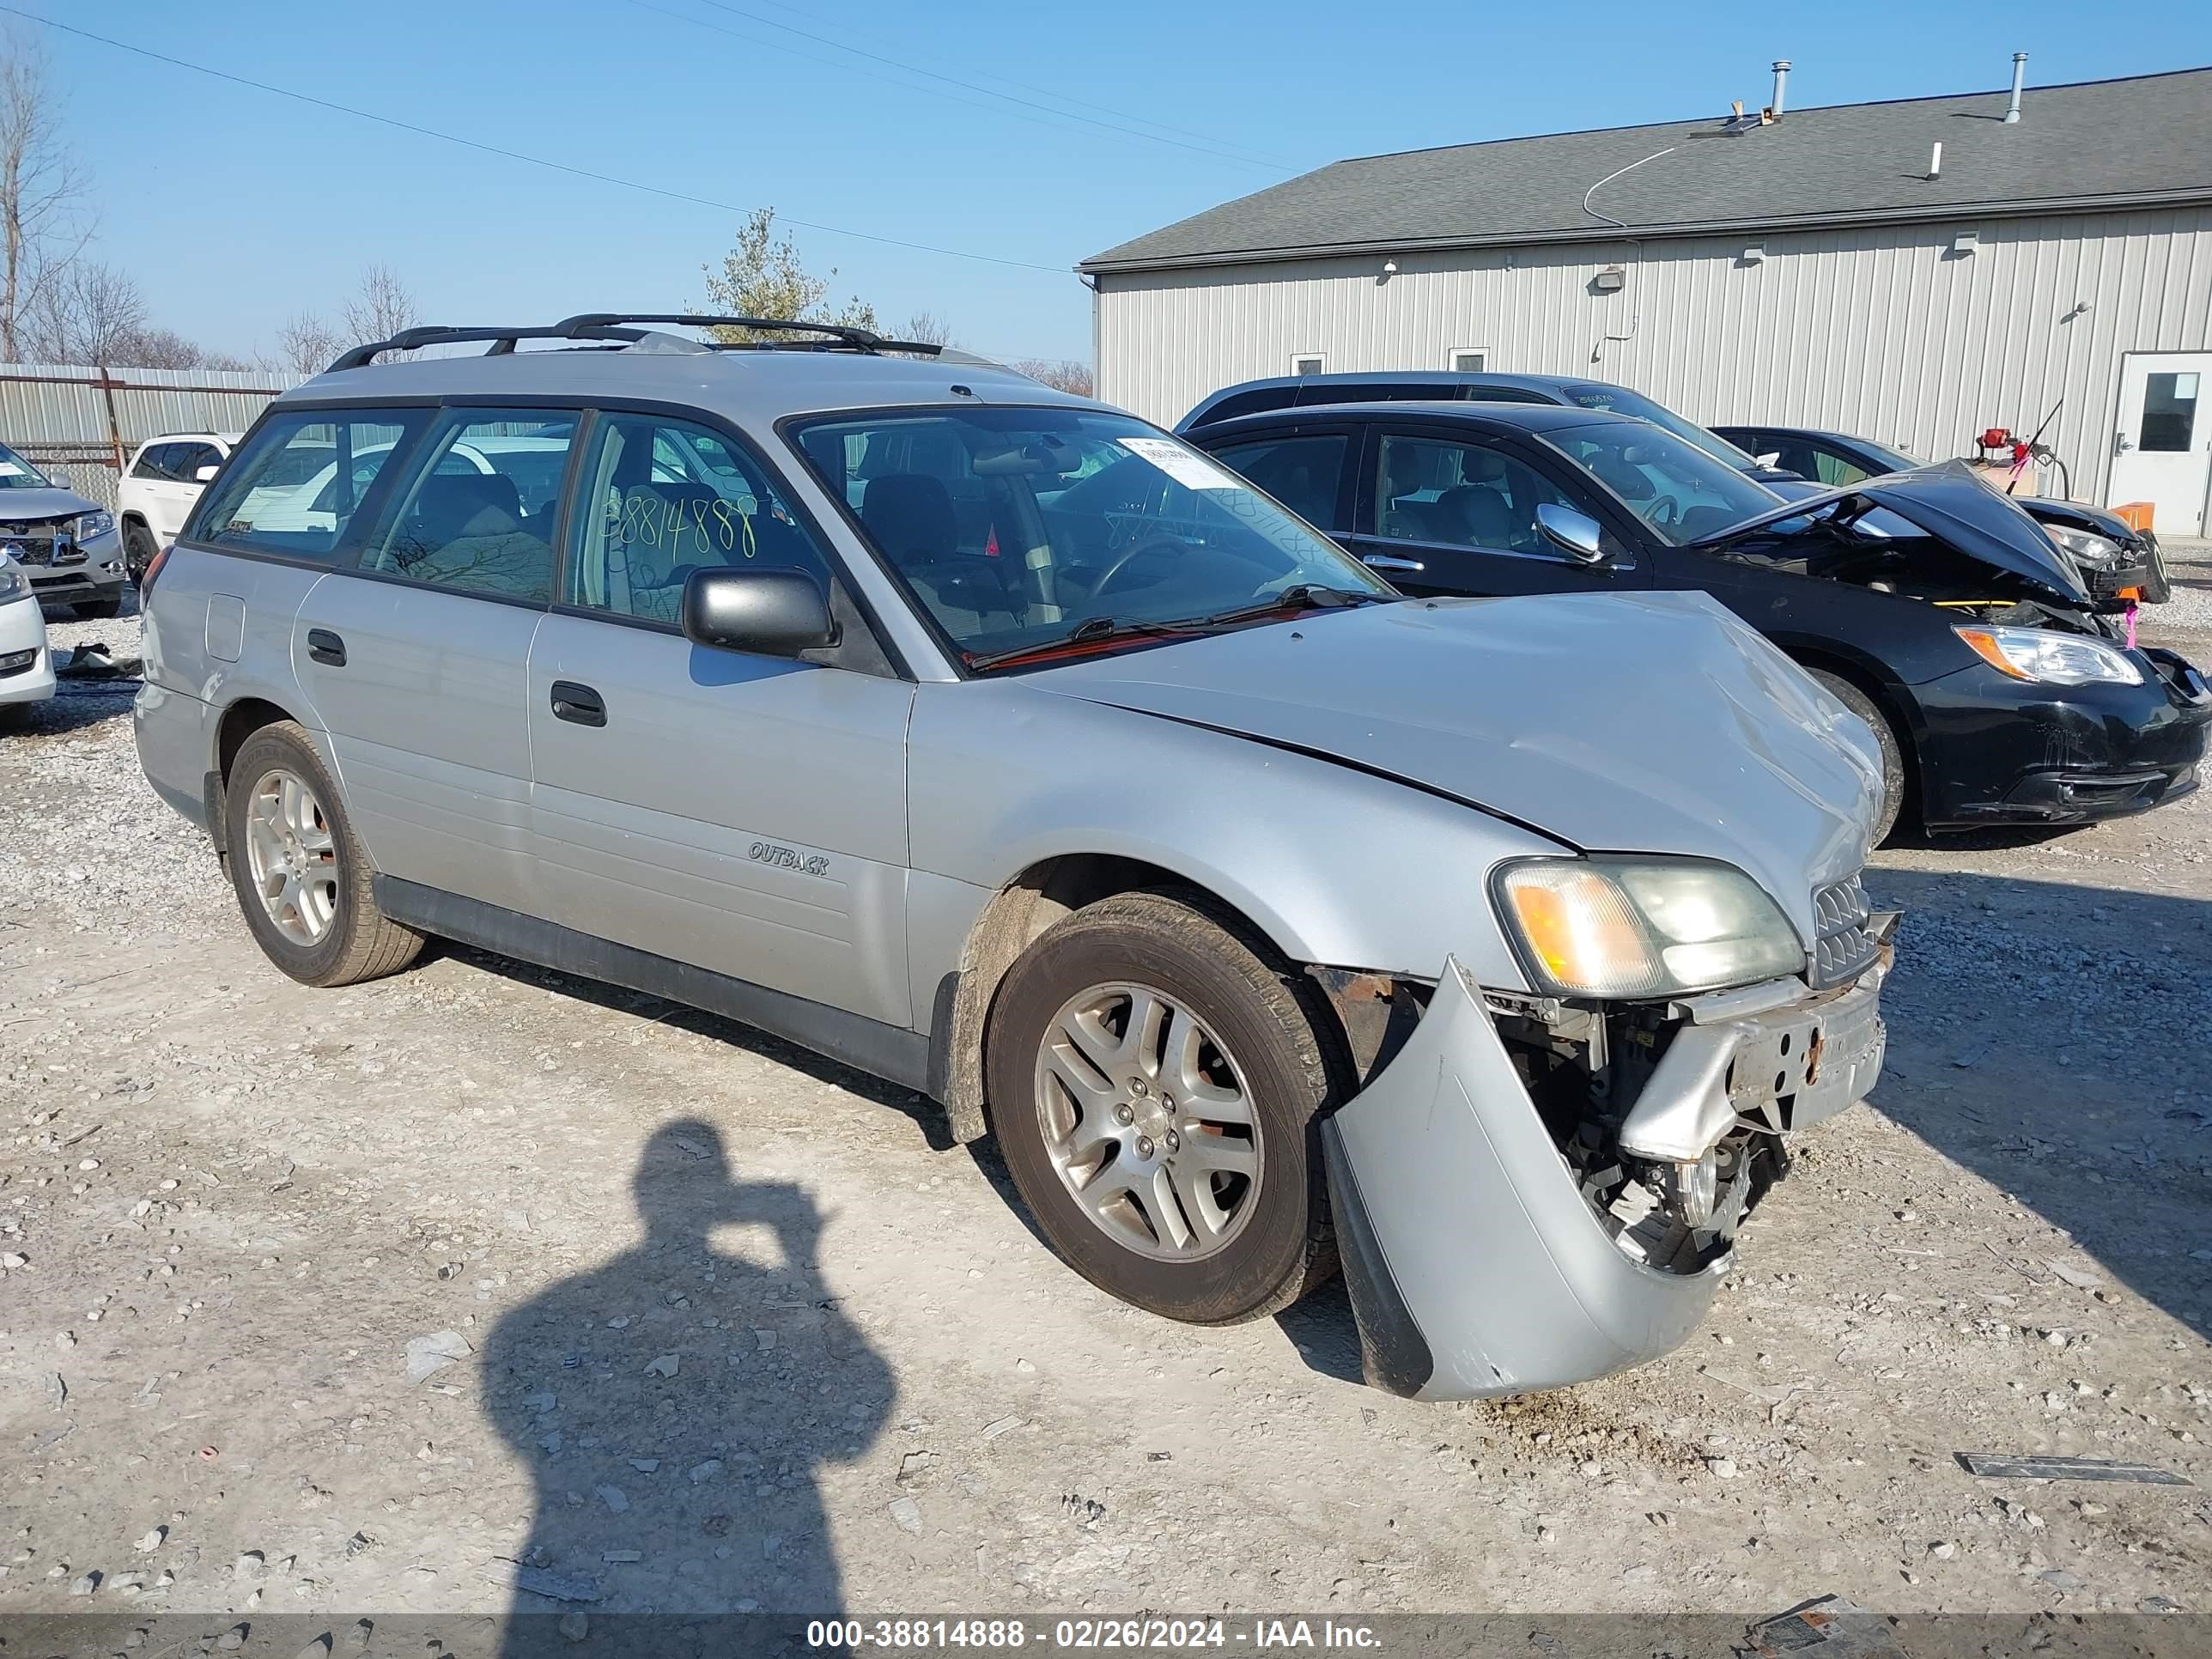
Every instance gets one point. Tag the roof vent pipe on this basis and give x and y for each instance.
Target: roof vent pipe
(2019, 80)
(1781, 85)
(1935, 160)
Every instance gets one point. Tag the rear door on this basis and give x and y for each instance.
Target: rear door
(743, 814)
(1447, 510)
(418, 657)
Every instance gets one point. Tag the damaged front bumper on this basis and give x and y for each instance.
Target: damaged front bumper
(1482, 1261)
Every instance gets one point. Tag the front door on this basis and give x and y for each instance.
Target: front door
(2162, 438)
(1458, 515)
(743, 814)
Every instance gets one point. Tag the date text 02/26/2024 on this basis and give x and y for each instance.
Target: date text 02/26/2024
(1141, 1634)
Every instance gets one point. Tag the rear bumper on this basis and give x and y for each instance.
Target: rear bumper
(175, 736)
(1475, 1265)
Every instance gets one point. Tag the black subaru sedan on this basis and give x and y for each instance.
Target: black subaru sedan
(2000, 687)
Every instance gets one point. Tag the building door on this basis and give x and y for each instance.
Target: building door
(2162, 439)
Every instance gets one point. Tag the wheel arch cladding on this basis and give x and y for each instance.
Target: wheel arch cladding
(1010, 920)
(240, 721)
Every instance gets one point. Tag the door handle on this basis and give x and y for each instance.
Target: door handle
(326, 647)
(578, 704)
(1390, 561)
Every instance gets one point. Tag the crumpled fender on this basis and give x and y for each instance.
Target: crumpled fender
(1475, 1266)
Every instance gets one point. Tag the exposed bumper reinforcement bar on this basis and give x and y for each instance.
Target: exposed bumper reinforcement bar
(1475, 1266)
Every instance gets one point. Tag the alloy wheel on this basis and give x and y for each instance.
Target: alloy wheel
(1148, 1120)
(292, 857)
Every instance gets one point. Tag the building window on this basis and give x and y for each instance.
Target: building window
(1307, 363)
(1469, 360)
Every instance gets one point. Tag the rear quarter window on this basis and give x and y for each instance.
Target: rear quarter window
(298, 483)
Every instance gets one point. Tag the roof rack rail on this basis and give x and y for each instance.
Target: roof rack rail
(626, 326)
(502, 339)
(858, 339)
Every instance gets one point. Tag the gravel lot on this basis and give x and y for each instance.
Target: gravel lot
(696, 1322)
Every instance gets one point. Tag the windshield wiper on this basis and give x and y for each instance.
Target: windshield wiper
(1087, 632)
(1311, 596)
(1304, 596)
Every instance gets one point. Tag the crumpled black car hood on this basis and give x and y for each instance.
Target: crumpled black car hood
(1951, 504)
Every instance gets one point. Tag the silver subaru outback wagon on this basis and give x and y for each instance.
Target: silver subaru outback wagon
(994, 742)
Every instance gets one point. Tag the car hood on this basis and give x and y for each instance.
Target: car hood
(34, 506)
(1638, 723)
(1951, 504)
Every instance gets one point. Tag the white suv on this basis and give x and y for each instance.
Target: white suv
(157, 494)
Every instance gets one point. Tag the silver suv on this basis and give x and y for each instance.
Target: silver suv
(994, 741)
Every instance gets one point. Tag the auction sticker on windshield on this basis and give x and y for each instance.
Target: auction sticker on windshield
(1192, 471)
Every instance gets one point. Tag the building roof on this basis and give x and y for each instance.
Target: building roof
(2144, 141)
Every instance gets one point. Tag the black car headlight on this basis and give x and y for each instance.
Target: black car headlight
(1630, 927)
(2051, 659)
(90, 525)
(2098, 552)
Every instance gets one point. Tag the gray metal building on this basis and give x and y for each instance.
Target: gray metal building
(1915, 271)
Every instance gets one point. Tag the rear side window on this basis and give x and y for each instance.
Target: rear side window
(297, 485)
(1302, 473)
(478, 514)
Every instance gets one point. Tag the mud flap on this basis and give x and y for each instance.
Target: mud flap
(1475, 1266)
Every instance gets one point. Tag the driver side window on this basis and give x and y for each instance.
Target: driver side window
(1461, 495)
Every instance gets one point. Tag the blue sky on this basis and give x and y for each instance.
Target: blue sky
(234, 208)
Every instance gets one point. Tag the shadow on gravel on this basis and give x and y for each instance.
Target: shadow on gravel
(926, 1114)
(675, 1404)
(2051, 1039)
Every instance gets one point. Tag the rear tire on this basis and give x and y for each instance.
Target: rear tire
(1893, 751)
(301, 876)
(1209, 1208)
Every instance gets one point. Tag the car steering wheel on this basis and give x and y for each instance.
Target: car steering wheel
(1666, 512)
(1134, 551)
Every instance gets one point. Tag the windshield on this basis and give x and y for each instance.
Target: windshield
(1892, 460)
(1619, 400)
(1015, 528)
(16, 473)
(1677, 488)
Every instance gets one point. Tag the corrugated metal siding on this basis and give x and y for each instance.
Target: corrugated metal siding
(80, 425)
(1882, 331)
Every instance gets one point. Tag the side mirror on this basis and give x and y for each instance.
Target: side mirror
(771, 613)
(205, 474)
(1577, 534)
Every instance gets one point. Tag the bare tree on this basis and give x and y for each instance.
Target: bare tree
(762, 276)
(87, 313)
(928, 328)
(158, 348)
(306, 344)
(43, 224)
(1064, 375)
(380, 308)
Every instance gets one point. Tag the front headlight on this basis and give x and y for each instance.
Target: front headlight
(2085, 545)
(14, 584)
(1618, 927)
(2048, 659)
(91, 525)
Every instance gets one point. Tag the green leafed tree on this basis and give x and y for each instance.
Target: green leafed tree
(763, 276)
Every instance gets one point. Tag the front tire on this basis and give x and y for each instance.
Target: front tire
(301, 876)
(1154, 1086)
(1893, 751)
(139, 548)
